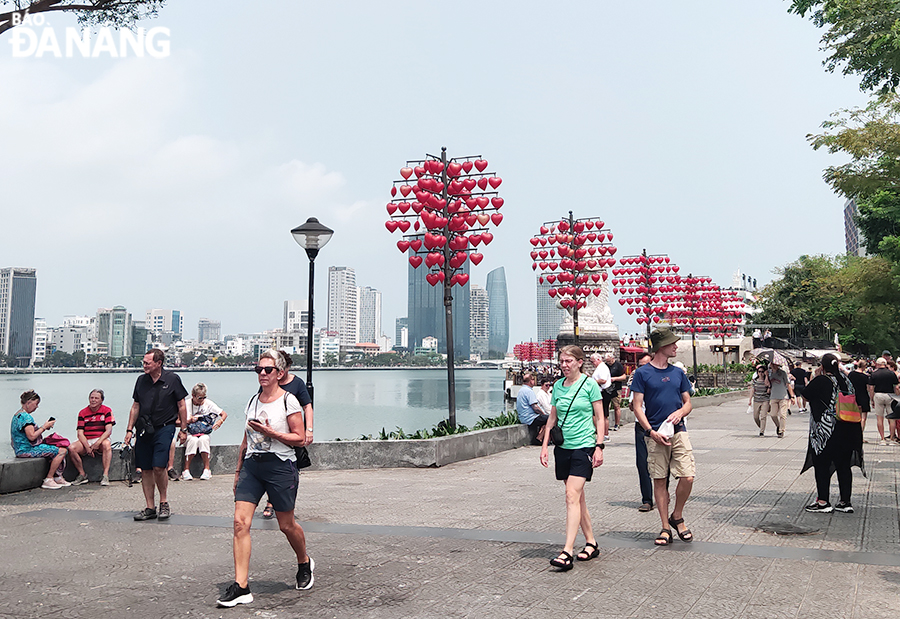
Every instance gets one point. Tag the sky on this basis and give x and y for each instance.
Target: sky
(174, 182)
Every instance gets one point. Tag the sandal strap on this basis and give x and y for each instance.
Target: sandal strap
(594, 546)
(674, 522)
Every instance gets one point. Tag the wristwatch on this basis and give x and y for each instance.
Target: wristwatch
(602, 446)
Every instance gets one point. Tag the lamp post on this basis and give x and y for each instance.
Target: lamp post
(311, 236)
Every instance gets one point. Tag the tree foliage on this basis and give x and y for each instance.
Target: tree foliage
(862, 36)
(118, 13)
(854, 296)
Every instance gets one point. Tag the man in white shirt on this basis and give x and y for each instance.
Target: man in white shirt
(604, 380)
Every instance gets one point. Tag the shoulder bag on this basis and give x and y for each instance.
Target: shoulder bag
(556, 434)
(846, 407)
(300, 452)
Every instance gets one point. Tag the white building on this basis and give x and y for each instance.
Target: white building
(430, 342)
(384, 343)
(68, 339)
(296, 315)
(404, 337)
(369, 315)
(479, 320)
(160, 320)
(326, 343)
(343, 314)
(39, 347)
(209, 330)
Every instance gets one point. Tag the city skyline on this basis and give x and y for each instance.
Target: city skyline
(157, 155)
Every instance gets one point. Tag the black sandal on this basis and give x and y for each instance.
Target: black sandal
(588, 555)
(563, 561)
(664, 538)
(269, 512)
(686, 535)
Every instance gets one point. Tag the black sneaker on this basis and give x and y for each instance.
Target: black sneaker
(136, 478)
(844, 507)
(818, 508)
(234, 595)
(172, 474)
(305, 574)
(164, 511)
(147, 513)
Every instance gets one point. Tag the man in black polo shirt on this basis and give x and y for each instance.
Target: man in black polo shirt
(883, 384)
(157, 411)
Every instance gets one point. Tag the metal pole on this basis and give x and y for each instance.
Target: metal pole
(309, 321)
(575, 308)
(448, 300)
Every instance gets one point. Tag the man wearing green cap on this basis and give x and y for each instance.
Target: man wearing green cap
(662, 393)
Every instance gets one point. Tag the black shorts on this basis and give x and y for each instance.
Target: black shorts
(151, 451)
(574, 462)
(268, 474)
(539, 421)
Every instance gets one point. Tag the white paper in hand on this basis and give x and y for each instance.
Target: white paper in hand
(667, 429)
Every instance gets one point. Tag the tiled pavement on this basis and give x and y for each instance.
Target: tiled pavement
(473, 540)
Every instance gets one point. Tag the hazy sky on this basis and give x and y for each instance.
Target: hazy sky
(174, 182)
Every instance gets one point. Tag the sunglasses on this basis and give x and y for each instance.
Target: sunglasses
(259, 369)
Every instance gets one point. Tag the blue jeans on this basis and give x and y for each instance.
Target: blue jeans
(640, 449)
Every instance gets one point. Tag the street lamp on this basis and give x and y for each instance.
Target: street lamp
(311, 236)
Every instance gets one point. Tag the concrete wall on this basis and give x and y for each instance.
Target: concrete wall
(25, 473)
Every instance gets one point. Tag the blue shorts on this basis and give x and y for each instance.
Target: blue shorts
(151, 451)
(268, 474)
(575, 462)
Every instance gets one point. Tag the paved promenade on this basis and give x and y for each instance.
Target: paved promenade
(473, 539)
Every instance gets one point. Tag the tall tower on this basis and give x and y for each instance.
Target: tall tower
(550, 316)
(498, 340)
(479, 318)
(296, 315)
(425, 306)
(209, 330)
(18, 289)
(343, 312)
(114, 328)
(369, 314)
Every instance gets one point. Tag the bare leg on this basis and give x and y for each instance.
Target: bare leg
(171, 463)
(187, 462)
(661, 496)
(618, 415)
(75, 452)
(574, 498)
(148, 485)
(294, 534)
(586, 526)
(682, 492)
(162, 484)
(56, 462)
(862, 423)
(205, 456)
(243, 515)
(880, 419)
(106, 448)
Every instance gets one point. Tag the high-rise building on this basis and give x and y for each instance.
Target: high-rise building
(18, 289)
(853, 241)
(160, 320)
(401, 332)
(39, 348)
(67, 338)
(296, 315)
(479, 316)
(550, 316)
(114, 329)
(369, 315)
(343, 314)
(209, 330)
(425, 307)
(140, 337)
(498, 339)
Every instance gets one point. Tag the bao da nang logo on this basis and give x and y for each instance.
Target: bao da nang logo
(32, 37)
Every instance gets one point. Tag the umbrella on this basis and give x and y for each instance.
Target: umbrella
(769, 355)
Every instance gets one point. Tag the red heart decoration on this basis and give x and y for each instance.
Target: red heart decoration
(476, 258)
(552, 291)
(482, 201)
(416, 226)
(403, 206)
(486, 238)
(393, 191)
(453, 168)
(589, 224)
(406, 172)
(544, 230)
(563, 226)
(599, 224)
(391, 225)
(469, 184)
(403, 246)
(534, 241)
(481, 164)
(405, 189)
(417, 207)
(416, 245)
(419, 171)
(496, 202)
(475, 239)
(467, 166)
(416, 261)
(432, 278)
(391, 208)
(551, 278)
(482, 183)
(497, 218)
(461, 278)
(437, 167)
(404, 225)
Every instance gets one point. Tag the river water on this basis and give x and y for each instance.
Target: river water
(349, 403)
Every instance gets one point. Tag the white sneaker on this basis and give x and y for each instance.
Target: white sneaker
(186, 476)
(49, 484)
(59, 481)
(206, 474)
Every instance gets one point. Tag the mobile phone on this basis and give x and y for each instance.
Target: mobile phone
(52, 419)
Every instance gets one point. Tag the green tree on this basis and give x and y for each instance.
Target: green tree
(78, 358)
(862, 36)
(119, 13)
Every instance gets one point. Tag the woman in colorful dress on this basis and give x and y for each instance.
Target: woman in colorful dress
(577, 408)
(24, 433)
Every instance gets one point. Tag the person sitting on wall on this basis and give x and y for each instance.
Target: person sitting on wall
(95, 422)
(529, 409)
(203, 417)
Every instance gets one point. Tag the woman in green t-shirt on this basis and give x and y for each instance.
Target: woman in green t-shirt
(577, 407)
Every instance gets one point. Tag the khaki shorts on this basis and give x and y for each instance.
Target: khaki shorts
(677, 458)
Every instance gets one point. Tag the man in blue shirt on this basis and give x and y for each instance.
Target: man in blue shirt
(661, 393)
(529, 409)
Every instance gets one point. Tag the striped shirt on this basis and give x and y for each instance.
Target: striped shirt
(94, 424)
(760, 390)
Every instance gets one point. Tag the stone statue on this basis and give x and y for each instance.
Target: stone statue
(597, 331)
